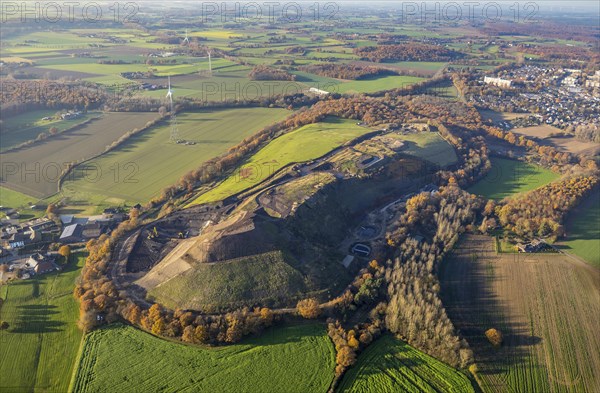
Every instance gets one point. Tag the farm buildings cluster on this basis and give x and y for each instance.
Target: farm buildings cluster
(23, 243)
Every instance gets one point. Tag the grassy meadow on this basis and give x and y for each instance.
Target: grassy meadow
(228, 82)
(27, 126)
(50, 157)
(511, 177)
(369, 85)
(141, 167)
(14, 199)
(41, 344)
(583, 231)
(372, 85)
(304, 144)
(112, 72)
(122, 358)
(390, 365)
(429, 146)
(21, 202)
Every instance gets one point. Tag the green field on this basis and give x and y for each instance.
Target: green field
(370, 85)
(108, 71)
(21, 202)
(546, 307)
(390, 365)
(226, 83)
(41, 165)
(304, 144)
(445, 89)
(429, 146)
(288, 359)
(14, 199)
(583, 231)
(27, 126)
(511, 177)
(39, 348)
(41, 41)
(141, 167)
(376, 84)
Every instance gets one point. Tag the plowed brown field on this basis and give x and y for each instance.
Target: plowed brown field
(546, 305)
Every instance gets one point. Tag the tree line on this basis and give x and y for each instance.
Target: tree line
(265, 73)
(19, 96)
(415, 311)
(540, 212)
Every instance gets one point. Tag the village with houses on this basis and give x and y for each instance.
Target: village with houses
(559, 97)
(30, 247)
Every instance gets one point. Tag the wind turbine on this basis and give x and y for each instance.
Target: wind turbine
(186, 39)
(174, 127)
(170, 93)
(209, 62)
(209, 53)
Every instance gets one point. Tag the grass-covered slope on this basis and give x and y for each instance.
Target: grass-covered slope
(430, 146)
(123, 359)
(511, 177)
(304, 144)
(266, 278)
(39, 348)
(390, 365)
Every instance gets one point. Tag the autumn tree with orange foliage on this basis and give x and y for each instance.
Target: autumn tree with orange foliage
(309, 308)
(494, 336)
(541, 212)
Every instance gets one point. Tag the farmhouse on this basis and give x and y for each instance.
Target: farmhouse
(41, 263)
(535, 246)
(16, 237)
(39, 224)
(70, 115)
(71, 234)
(92, 230)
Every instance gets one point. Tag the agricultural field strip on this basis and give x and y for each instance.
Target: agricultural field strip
(108, 360)
(40, 346)
(53, 155)
(160, 163)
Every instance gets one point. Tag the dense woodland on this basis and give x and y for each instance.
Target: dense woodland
(19, 96)
(266, 73)
(585, 56)
(586, 132)
(407, 52)
(415, 310)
